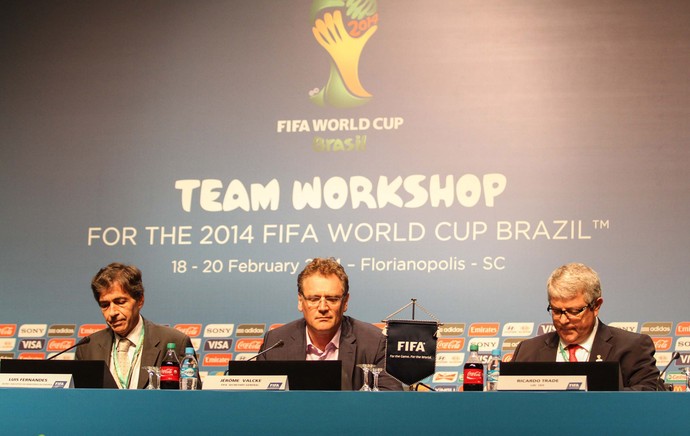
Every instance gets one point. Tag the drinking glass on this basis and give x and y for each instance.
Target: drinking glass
(154, 377)
(366, 367)
(376, 371)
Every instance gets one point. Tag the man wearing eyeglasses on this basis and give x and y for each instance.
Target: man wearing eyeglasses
(574, 294)
(324, 333)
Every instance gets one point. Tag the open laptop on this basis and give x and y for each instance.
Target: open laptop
(601, 376)
(85, 373)
(303, 375)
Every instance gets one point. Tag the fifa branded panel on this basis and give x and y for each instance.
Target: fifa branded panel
(7, 344)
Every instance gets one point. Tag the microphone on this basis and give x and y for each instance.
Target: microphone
(661, 386)
(278, 344)
(85, 340)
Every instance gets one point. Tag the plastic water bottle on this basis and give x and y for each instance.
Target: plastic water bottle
(473, 372)
(189, 370)
(170, 369)
(493, 371)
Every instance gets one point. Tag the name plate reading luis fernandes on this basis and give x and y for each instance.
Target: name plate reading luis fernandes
(542, 383)
(44, 381)
(246, 383)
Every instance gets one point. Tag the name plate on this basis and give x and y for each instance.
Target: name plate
(542, 383)
(43, 381)
(246, 383)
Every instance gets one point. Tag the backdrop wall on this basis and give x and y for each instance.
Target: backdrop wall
(455, 153)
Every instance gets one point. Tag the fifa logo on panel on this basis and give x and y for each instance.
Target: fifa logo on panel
(342, 28)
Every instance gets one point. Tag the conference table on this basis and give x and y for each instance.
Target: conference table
(53, 412)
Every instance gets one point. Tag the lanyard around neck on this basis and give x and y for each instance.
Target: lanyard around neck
(124, 381)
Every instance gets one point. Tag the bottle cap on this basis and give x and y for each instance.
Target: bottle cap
(474, 347)
(496, 352)
(189, 350)
(171, 345)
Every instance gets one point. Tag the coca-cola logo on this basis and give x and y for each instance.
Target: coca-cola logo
(473, 376)
(450, 344)
(60, 344)
(191, 330)
(248, 344)
(7, 330)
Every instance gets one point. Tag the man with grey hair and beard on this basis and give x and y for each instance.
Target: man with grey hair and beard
(574, 294)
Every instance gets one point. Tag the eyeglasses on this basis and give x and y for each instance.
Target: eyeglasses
(315, 300)
(569, 313)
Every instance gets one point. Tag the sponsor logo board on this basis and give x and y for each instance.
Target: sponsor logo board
(518, 329)
(247, 345)
(484, 329)
(216, 359)
(452, 329)
(657, 328)
(450, 359)
(486, 345)
(250, 330)
(628, 326)
(450, 344)
(89, 329)
(219, 330)
(7, 330)
(60, 344)
(191, 330)
(662, 343)
(32, 330)
(218, 345)
(62, 330)
(683, 329)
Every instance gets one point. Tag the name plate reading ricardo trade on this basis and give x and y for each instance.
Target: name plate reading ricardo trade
(44, 381)
(542, 383)
(246, 383)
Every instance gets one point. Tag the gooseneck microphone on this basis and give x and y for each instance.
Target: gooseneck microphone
(85, 340)
(278, 344)
(661, 385)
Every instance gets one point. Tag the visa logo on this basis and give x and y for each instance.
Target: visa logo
(546, 328)
(31, 344)
(217, 345)
(684, 358)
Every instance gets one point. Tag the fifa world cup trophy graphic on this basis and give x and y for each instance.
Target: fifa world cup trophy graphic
(342, 28)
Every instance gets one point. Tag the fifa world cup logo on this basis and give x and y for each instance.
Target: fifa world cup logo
(342, 28)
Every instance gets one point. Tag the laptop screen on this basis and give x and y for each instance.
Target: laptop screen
(303, 375)
(601, 376)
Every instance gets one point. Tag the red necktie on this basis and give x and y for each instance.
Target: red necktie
(572, 349)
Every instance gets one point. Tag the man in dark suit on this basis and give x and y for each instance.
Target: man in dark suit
(325, 333)
(130, 342)
(574, 294)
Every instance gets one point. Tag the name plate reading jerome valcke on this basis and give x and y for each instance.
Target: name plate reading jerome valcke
(43, 381)
(542, 383)
(246, 383)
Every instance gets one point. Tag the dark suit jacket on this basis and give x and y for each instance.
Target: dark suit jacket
(360, 342)
(633, 351)
(156, 338)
